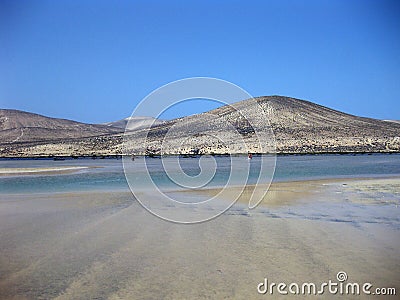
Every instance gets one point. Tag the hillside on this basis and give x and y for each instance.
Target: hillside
(299, 126)
(19, 126)
(135, 123)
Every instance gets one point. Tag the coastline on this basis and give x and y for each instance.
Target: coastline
(119, 156)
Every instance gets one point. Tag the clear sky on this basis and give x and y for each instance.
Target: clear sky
(93, 61)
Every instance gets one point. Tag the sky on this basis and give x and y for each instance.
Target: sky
(94, 61)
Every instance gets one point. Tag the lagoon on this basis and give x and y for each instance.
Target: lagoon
(82, 235)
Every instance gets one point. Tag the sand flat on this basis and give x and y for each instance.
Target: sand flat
(41, 170)
(104, 245)
(302, 191)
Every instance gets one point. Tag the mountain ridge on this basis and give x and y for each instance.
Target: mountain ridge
(21, 126)
(299, 126)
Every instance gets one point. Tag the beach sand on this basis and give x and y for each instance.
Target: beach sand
(42, 171)
(104, 245)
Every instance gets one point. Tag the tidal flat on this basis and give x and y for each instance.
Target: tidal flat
(83, 235)
(104, 245)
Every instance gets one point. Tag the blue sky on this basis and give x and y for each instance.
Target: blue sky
(93, 61)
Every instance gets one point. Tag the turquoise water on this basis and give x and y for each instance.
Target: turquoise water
(110, 175)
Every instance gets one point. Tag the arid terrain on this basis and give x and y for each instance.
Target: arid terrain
(298, 126)
(20, 127)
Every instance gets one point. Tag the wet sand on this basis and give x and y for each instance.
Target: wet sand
(96, 245)
(42, 171)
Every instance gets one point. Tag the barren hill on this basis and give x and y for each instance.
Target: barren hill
(20, 126)
(299, 127)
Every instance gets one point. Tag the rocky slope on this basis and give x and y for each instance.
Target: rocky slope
(299, 127)
(19, 126)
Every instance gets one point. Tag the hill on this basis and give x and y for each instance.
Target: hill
(19, 126)
(299, 126)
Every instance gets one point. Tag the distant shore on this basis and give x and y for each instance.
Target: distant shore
(277, 124)
(119, 156)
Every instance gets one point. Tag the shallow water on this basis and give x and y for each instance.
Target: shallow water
(110, 175)
(83, 235)
(98, 245)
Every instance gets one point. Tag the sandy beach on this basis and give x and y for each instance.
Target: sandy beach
(92, 245)
(185, 150)
(41, 171)
(303, 191)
